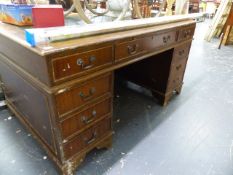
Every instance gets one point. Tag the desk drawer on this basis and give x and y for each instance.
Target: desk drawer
(164, 39)
(176, 74)
(128, 49)
(186, 33)
(87, 138)
(175, 82)
(77, 96)
(85, 118)
(181, 53)
(80, 63)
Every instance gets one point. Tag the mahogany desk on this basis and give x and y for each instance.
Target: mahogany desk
(63, 92)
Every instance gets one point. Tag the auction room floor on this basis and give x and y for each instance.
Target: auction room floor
(193, 135)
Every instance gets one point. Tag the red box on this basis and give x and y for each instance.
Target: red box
(48, 16)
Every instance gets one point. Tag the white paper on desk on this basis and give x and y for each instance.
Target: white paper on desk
(68, 32)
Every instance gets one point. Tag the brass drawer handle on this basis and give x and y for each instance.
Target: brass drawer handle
(87, 120)
(178, 67)
(89, 96)
(81, 63)
(92, 139)
(133, 49)
(181, 52)
(166, 39)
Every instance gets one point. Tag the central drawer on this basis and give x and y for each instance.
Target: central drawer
(144, 44)
(164, 39)
(79, 95)
(88, 138)
(81, 63)
(129, 49)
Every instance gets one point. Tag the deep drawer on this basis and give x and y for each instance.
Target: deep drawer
(78, 64)
(176, 74)
(85, 118)
(77, 96)
(87, 138)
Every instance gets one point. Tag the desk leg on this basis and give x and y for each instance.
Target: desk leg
(105, 144)
(70, 166)
(162, 98)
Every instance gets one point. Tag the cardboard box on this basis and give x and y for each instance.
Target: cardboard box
(48, 16)
(17, 14)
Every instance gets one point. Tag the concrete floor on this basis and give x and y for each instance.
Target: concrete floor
(193, 135)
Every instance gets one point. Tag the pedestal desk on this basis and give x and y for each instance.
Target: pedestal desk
(63, 92)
